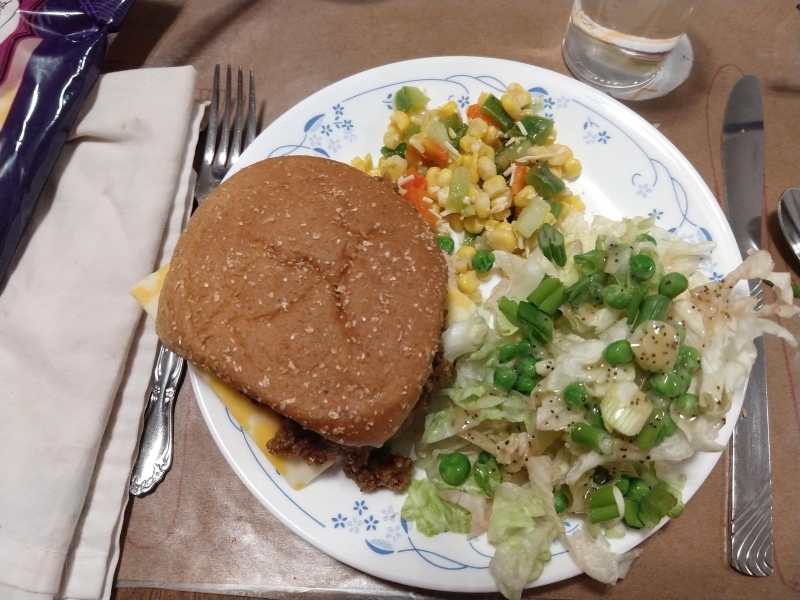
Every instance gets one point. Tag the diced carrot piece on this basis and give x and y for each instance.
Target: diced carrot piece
(520, 171)
(415, 196)
(474, 112)
(438, 155)
(417, 181)
(416, 159)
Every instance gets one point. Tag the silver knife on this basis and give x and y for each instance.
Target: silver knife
(751, 497)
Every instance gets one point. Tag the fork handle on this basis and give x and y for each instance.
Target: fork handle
(155, 448)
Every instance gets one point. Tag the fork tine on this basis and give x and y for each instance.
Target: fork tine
(236, 144)
(222, 151)
(251, 111)
(211, 130)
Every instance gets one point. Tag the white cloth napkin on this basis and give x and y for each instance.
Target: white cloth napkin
(75, 351)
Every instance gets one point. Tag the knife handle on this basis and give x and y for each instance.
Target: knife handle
(155, 448)
(751, 490)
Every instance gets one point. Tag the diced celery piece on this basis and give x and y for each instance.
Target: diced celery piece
(459, 185)
(532, 217)
(409, 98)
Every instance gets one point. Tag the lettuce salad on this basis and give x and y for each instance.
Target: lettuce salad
(601, 358)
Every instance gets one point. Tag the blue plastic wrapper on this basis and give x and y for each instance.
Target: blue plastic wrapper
(51, 52)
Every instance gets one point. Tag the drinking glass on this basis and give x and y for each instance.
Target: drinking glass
(620, 45)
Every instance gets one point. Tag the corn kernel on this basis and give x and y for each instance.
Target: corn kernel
(477, 128)
(400, 120)
(457, 161)
(549, 218)
(572, 168)
(474, 224)
(509, 103)
(492, 135)
(484, 276)
(394, 165)
(491, 224)
(486, 168)
(482, 205)
(392, 137)
(482, 98)
(470, 161)
(441, 196)
(357, 163)
(494, 186)
(476, 296)
(432, 176)
(448, 109)
(520, 94)
(551, 139)
(445, 175)
(468, 143)
(486, 151)
(502, 239)
(466, 252)
(462, 261)
(557, 172)
(455, 222)
(442, 228)
(575, 202)
(522, 197)
(468, 282)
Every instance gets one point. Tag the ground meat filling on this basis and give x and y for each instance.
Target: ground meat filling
(370, 468)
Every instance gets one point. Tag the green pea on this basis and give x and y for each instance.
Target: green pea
(684, 380)
(672, 284)
(688, 358)
(560, 502)
(525, 347)
(595, 418)
(665, 384)
(505, 378)
(687, 405)
(616, 296)
(642, 267)
(643, 237)
(669, 427)
(446, 243)
(454, 468)
(575, 396)
(600, 475)
(527, 366)
(618, 353)
(507, 352)
(638, 490)
(525, 384)
(482, 261)
(623, 484)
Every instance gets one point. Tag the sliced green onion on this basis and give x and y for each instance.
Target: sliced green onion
(649, 433)
(631, 516)
(656, 505)
(536, 321)
(591, 262)
(598, 440)
(637, 490)
(653, 308)
(551, 243)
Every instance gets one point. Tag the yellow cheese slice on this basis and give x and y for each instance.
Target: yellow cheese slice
(258, 421)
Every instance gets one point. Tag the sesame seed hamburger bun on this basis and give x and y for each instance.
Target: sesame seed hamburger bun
(313, 288)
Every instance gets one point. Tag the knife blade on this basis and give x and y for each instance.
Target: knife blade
(751, 496)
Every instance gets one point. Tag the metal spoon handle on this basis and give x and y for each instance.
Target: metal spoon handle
(155, 453)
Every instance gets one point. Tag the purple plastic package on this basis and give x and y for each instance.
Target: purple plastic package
(51, 52)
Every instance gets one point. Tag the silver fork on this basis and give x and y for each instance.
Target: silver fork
(155, 447)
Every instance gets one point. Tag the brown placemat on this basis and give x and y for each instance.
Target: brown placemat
(203, 531)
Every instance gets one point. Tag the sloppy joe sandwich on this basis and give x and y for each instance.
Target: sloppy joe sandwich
(315, 289)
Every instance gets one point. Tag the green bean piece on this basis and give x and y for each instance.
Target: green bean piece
(653, 308)
(527, 366)
(505, 378)
(616, 296)
(507, 352)
(687, 405)
(454, 468)
(399, 151)
(643, 237)
(576, 396)
(595, 418)
(469, 239)
(482, 261)
(544, 181)
(642, 267)
(536, 321)
(618, 353)
(672, 284)
(551, 243)
(446, 243)
(525, 384)
(601, 475)
(591, 262)
(632, 514)
(637, 297)
(598, 515)
(666, 384)
(509, 308)
(623, 484)
(667, 430)
(525, 347)
(638, 490)
(493, 108)
(688, 358)
(603, 496)
(646, 438)
(560, 502)
(592, 437)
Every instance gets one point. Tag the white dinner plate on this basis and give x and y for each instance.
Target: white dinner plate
(629, 168)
